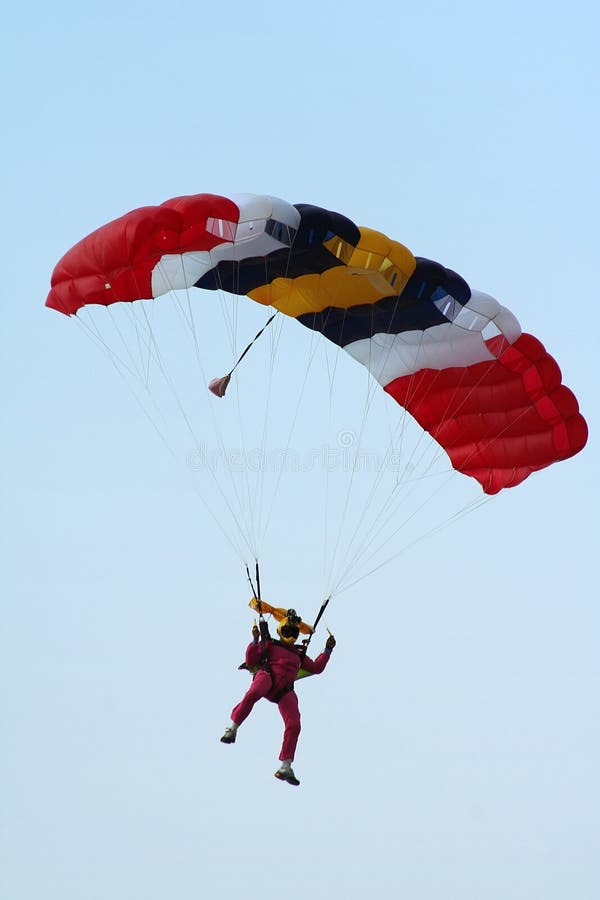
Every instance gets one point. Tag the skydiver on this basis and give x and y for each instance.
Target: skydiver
(276, 664)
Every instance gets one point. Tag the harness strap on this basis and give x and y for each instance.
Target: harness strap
(284, 690)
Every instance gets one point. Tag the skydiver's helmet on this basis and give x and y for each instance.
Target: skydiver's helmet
(289, 627)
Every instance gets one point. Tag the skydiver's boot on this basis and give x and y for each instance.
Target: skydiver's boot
(286, 773)
(229, 734)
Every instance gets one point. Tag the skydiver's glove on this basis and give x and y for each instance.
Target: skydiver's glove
(330, 643)
(255, 633)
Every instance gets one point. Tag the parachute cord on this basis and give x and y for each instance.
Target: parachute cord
(259, 495)
(169, 382)
(94, 335)
(348, 491)
(92, 332)
(375, 527)
(370, 531)
(390, 508)
(327, 474)
(311, 356)
(437, 453)
(256, 495)
(253, 493)
(243, 495)
(398, 497)
(191, 325)
(369, 397)
(240, 524)
(452, 474)
(467, 510)
(157, 357)
(239, 517)
(360, 555)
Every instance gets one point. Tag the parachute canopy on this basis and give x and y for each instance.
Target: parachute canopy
(456, 359)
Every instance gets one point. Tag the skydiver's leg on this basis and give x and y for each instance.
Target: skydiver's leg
(261, 685)
(290, 713)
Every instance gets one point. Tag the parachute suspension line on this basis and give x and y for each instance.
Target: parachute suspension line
(367, 530)
(92, 331)
(178, 402)
(363, 559)
(229, 311)
(369, 395)
(151, 344)
(191, 329)
(387, 511)
(470, 507)
(331, 373)
(243, 471)
(237, 517)
(256, 498)
(404, 487)
(266, 519)
(256, 495)
(138, 375)
(330, 377)
(121, 368)
(140, 366)
(371, 392)
(311, 355)
(374, 527)
(259, 495)
(218, 386)
(247, 530)
(224, 455)
(467, 509)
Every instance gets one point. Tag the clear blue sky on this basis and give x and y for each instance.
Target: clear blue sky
(450, 750)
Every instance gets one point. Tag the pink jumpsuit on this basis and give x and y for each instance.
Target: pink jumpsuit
(283, 663)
